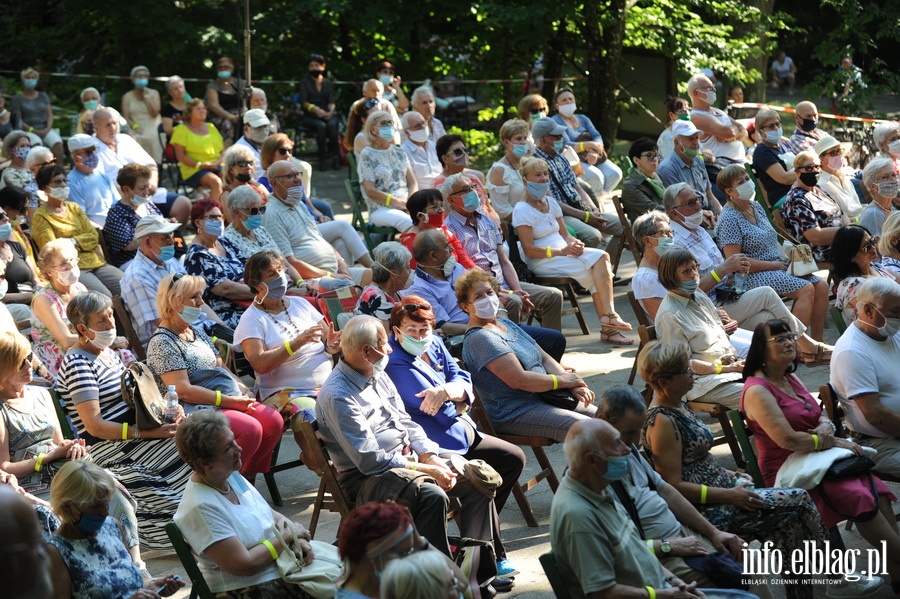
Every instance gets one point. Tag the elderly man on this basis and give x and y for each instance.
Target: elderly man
(721, 134)
(256, 130)
(89, 187)
(422, 101)
(579, 212)
(154, 261)
(298, 238)
(115, 150)
(685, 165)
(596, 545)
(24, 567)
(807, 132)
(864, 372)
(380, 452)
(259, 101)
(420, 149)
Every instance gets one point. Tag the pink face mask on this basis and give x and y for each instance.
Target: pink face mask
(835, 162)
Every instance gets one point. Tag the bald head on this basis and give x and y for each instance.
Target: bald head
(106, 125)
(24, 568)
(373, 89)
(806, 110)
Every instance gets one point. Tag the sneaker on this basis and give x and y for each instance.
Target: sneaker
(501, 584)
(506, 568)
(859, 588)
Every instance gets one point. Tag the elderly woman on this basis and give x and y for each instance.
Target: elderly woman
(510, 371)
(889, 244)
(140, 107)
(227, 523)
(87, 553)
(642, 189)
(181, 354)
(887, 138)
(505, 185)
(239, 164)
(219, 262)
(550, 251)
(785, 419)
(145, 461)
(16, 146)
(386, 177)
(743, 227)
(678, 444)
(133, 205)
(172, 112)
(880, 178)
(808, 212)
(36, 113)
(423, 574)
(223, 94)
(836, 178)
(855, 259)
(771, 157)
(391, 274)
(198, 148)
(426, 206)
(653, 232)
(437, 395)
(605, 175)
(676, 108)
(454, 156)
(59, 219)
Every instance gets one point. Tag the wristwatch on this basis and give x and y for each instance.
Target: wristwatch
(665, 545)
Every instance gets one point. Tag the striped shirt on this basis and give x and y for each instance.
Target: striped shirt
(86, 377)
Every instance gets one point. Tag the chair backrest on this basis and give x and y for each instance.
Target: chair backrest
(638, 310)
(318, 457)
(354, 191)
(829, 400)
(65, 423)
(338, 305)
(199, 588)
(743, 438)
(637, 249)
(838, 319)
(351, 161)
(551, 570)
(125, 324)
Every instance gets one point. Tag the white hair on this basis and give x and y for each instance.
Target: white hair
(874, 289)
(35, 154)
(418, 92)
(586, 440)
(360, 330)
(882, 130)
(449, 182)
(875, 167)
(408, 116)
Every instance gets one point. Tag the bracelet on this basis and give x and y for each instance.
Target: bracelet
(287, 346)
(715, 276)
(587, 216)
(218, 398)
(718, 367)
(387, 200)
(549, 252)
(555, 382)
(271, 548)
(510, 292)
(299, 282)
(652, 592)
(214, 339)
(651, 546)
(581, 145)
(815, 438)
(703, 491)
(39, 462)
(124, 431)
(31, 129)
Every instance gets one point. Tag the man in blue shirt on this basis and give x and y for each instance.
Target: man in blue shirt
(88, 187)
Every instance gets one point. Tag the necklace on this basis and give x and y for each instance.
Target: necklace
(883, 209)
(748, 213)
(296, 330)
(540, 205)
(226, 491)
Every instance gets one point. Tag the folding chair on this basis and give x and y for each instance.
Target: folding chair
(838, 319)
(557, 582)
(354, 190)
(338, 305)
(567, 286)
(199, 588)
(642, 321)
(628, 236)
(125, 324)
(330, 495)
(65, 423)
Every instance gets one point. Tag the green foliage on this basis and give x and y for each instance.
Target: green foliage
(484, 146)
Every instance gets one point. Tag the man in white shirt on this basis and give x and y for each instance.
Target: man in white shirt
(420, 149)
(864, 372)
(422, 101)
(256, 130)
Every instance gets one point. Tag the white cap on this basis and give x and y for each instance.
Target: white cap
(153, 223)
(256, 118)
(684, 128)
(81, 141)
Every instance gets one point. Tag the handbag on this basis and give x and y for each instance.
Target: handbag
(477, 560)
(140, 393)
(802, 262)
(317, 577)
(559, 398)
(855, 465)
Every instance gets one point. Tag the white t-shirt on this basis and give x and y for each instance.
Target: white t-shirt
(646, 285)
(205, 517)
(128, 150)
(308, 368)
(782, 69)
(861, 365)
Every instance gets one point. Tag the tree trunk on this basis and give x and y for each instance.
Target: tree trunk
(553, 63)
(604, 33)
(756, 91)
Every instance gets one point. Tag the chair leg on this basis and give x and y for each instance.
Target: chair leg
(619, 249)
(270, 477)
(524, 506)
(731, 440)
(633, 374)
(317, 508)
(547, 466)
(573, 299)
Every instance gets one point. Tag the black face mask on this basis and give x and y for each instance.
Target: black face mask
(808, 124)
(315, 72)
(243, 177)
(809, 179)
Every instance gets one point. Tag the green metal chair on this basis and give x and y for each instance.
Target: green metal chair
(838, 319)
(65, 423)
(199, 588)
(557, 582)
(369, 232)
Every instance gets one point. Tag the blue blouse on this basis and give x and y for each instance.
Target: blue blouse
(412, 375)
(214, 269)
(584, 125)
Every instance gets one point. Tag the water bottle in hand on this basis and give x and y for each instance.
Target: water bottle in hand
(740, 281)
(171, 405)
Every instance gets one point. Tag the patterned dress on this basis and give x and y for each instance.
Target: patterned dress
(804, 210)
(758, 241)
(374, 301)
(214, 269)
(847, 289)
(789, 518)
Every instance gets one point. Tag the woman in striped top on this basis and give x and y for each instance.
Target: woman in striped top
(146, 462)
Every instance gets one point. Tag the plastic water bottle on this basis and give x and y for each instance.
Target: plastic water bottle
(740, 281)
(171, 404)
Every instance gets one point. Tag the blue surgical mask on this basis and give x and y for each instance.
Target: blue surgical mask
(689, 286)
(386, 80)
(616, 468)
(559, 145)
(5, 231)
(166, 252)
(537, 190)
(212, 227)
(190, 314)
(386, 133)
(223, 74)
(471, 201)
(277, 287)
(254, 221)
(90, 524)
(519, 150)
(413, 346)
(774, 136)
(141, 82)
(92, 104)
(664, 244)
(30, 83)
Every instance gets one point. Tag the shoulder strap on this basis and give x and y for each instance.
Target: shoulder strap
(560, 187)
(629, 506)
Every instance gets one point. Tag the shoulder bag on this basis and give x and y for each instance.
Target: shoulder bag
(140, 393)
(315, 578)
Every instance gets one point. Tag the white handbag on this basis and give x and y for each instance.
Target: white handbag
(316, 578)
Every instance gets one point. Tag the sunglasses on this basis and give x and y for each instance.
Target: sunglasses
(460, 152)
(178, 276)
(538, 110)
(244, 163)
(29, 359)
(285, 151)
(256, 211)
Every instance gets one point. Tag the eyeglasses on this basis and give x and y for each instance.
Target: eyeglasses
(780, 339)
(294, 175)
(387, 71)
(59, 183)
(459, 152)
(664, 233)
(538, 110)
(810, 168)
(286, 151)
(67, 265)
(256, 211)
(690, 204)
(464, 190)
(164, 237)
(386, 123)
(41, 165)
(178, 276)
(29, 359)
(415, 307)
(650, 156)
(837, 151)
(244, 163)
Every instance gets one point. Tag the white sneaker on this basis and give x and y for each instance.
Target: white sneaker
(860, 588)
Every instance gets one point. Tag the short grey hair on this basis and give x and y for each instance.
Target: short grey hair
(882, 130)
(408, 116)
(616, 401)
(360, 330)
(890, 236)
(35, 154)
(449, 182)
(389, 256)
(236, 153)
(418, 93)
(258, 90)
(670, 195)
(425, 243)
(172, 81)
(242, 198)
(86, 90)
(581, 442)
(874, 289)
(83, 306)
(648, 224)
(875, 167)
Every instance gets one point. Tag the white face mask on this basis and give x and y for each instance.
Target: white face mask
(894, 147)
(139, 200)
(379, 366)
(420, 136)
(710, 97)
(69, 277)
(746, 190)
(890, 326)
(567, 109)
(692, 221)
(103, 339)
(486, 308)
(59, 193)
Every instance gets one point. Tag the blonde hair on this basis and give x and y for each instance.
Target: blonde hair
(52, 249)
(513, 127)
(890, 236)
(531, 164)
(171, 294)
(662, 360)
(14, 348)
(372, 119)
(80, 483)
(804, 158)
(29, 71)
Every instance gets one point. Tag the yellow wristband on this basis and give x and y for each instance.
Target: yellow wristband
(299, 281)
(412, 466)
(124, 431)
(271, 548)
(510, 292)
(703, 491)
(214, 339)
(652, 592)
(387, 200)
(287, 346)
(549, 252)
(815, 441)
(31, 129)
(218, 398)
(715, 276)
(718, 367)
(581, 145)
(587, 216)
(651, 546)
(39, 462)
(555, 382)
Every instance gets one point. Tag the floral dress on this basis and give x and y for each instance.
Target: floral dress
(789, 518)
(758, 241)
(804, 210)
(374, 301)
(847, 289)
(386, 169)
(214, 269)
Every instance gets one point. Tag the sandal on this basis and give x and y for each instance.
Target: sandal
(615, 337)
(606, 322)
(821, 356)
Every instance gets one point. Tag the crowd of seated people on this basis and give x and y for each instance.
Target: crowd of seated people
(390, 399)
